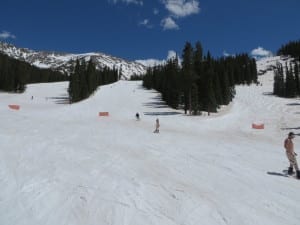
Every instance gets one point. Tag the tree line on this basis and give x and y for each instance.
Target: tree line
(15, 74)
(85, 79)
(286, 78)
(292, 49)
(201, 83)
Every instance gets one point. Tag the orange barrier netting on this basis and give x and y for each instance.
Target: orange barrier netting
(15, 107)
(103, 114)
(258, 126)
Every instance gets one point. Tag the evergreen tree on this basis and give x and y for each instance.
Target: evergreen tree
(217, 89)
(173, 82)
(92, 79)
(290, 84)
(198, 70)
(279, 84)
(227, 90)
(253, 70)
(211, 102)
(198, 57)
(202, 83)
(74, 85)
(15, 74)
(85, 79)
(194, 99)
(297, 80)
(187, 73)
(292, 48)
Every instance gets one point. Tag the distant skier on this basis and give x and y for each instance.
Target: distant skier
(291, 154)
(137, 116)
(157, 125)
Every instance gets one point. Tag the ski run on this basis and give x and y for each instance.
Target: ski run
(63, 164)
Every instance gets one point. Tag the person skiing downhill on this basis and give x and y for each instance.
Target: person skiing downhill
(157, 126)
(291, 154)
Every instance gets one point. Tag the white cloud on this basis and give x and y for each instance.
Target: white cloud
(226, 54)
(155, 11)
(182, 8)
(261, 52)
(171, 54)
(146, 23)
(155, 62)
(137, 2)
(169, 24)
(6, 35)
(151, 62)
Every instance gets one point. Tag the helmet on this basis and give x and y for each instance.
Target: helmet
(291, 134)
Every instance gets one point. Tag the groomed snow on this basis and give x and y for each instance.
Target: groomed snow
(63, 164)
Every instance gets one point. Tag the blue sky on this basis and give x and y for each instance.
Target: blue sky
(142, 29)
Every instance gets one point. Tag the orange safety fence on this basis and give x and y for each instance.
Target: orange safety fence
(258, 126)
(103, 114)
(15, 107)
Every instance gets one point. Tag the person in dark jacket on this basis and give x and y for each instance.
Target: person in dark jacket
(137, 116)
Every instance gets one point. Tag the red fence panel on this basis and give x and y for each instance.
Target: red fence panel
(258, 126)
(103, 114)
(14, 107)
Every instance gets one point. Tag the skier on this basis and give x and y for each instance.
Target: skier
(137, 115)
(157, 126)
(291, 155)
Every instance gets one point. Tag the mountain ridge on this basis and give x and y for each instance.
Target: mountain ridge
(64, 62)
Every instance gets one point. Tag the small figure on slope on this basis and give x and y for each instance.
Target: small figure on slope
(291, 155)
(137, 116)
(157, 126)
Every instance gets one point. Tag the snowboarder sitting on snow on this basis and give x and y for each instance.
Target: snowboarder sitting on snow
(157, 126)
(291, 155)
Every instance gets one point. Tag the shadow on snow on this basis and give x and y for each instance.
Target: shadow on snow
(161, 113)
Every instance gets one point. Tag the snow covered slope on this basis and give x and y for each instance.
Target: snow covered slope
(62, 164)
(64, 61)
(270, 63)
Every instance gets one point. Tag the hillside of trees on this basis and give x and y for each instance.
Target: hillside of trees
(85, 79)
(15, 74)
(292, 49)
(286, 78)
(202, 83)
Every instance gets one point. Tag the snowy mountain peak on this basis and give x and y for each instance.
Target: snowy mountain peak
(269, 63)
(65, 61)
